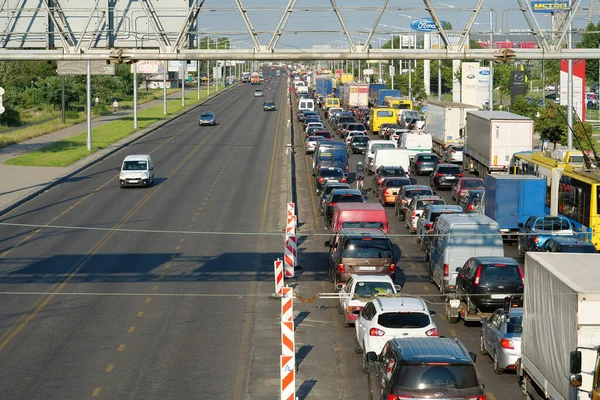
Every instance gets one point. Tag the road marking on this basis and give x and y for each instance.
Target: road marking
(110, 367)
(131, 329)
(426, 288)
(178, 248)
(155, 287)
(182, 240)
(121, 347)
(96, 392)
(490, 396)
(148, 299)
(140, 314)
(442, 315)
(452, 332)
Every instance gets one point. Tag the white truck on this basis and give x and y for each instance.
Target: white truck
(491, 139)
(561, 315)
(446, 122)
(355, 95)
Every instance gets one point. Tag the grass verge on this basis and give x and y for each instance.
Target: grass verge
(72, 149)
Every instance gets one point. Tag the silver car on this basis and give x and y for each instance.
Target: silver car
(501, 338)
(311, 143)
(207, 118)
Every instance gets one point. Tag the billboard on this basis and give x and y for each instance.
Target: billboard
(483, 86)
(578, 86)
(549, 6)
(150, 67)
(470, 70)
(80, 68)
(517, 84)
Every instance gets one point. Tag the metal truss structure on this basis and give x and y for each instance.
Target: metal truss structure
(129, 30)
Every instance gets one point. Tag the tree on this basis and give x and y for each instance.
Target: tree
(591, 40)
(551, 126)
(522, 107)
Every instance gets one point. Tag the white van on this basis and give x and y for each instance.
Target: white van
(372, 146)
(298, 83)
(391, 157)
(302, 90)
(403, 115)
(136, 170)
(306, 104)
(456, 238)
(416, 142)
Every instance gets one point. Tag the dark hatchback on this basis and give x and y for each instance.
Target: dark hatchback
(358, 144)
(484, 282)
(424, 163)
(328, 174)
(445, 175)
(341, 196)
(567, 244)
(387, 172)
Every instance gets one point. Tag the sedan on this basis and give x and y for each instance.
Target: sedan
(311, 143)
(207, 118)
(405, 196)
(568, 244)
(389, 188)
(453, 154)
(328, 174)
(352, 134)
(329, 187)
(384, 172)
(269, 106)
(415, 209)
(501, 338)
(258, 93)
(463, 185)
(423, 163)
(444, 175)
(341, 196)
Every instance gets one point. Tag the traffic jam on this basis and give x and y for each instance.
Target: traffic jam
(373, 158)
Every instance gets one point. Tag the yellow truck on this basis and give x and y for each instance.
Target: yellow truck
(382, 115)
(398, 103)
(331, 102)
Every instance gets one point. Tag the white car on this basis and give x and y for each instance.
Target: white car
(313, 125)
(359, 289)
(351, 134)
(136, 170)
(311, 143)
(415, 209)
(453, 154)
(386, 318)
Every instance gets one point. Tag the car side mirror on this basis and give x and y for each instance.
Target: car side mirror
(371, 356)
(473, 356)
(458, 269)
(151, 168)
(432, 313)
(575, 362)
(398, 287)
(339, 286)
(119, 169)
(483, 320)
(327, 243)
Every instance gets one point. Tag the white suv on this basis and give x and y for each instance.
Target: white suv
(383, 319)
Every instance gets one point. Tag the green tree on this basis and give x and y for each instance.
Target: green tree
(522, 107)
(590, 39)
(551, 126)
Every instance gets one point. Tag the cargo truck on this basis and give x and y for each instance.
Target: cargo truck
(355, 95)
(379, 99)
(512, 199)
(492, 137)
(446, 123)
(323, 85)
(374, 92)
(561, 327)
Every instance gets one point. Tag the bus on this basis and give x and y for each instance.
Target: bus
(578, 190)
(397, 103)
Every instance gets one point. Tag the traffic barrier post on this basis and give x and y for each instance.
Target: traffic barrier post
(289, 257)
(287, 304)
(288, 377)
(278, 264)
(290, 228)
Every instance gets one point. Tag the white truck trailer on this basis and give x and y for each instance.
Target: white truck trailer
(446, 122)
(561, 315)
(491, 139)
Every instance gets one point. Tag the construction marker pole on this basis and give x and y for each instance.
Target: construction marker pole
(291, 209)
(290, 228)
(278, 276)
(289, 257)
(288, 357)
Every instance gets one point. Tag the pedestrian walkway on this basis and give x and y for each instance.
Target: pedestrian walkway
(18, 183)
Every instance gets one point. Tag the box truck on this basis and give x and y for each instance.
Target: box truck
(446, 123)
(355, 95)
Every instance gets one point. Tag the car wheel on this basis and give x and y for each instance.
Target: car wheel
(497, 369)
(482, 349)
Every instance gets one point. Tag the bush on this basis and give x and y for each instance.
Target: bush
(71, 114)
(10, 117)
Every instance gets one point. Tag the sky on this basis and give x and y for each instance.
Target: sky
(314, 23)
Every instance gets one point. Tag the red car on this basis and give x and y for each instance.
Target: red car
(463, 185)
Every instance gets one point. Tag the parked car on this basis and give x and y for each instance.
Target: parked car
(359, 290)
(386, 318)
(415, 209)
(463, 185)
(360, 251)
(472, 201)
(453, 154)
(328, 174)
(484, 282)
(430, 214)
(444, 175)
(329, 186)
(536, 230)
(501, 338)
(405, 196)
(207, 118)
(424, 368)
(423, 163)
(341, 196)
(567, 244)
(358, 144)
(269, 106)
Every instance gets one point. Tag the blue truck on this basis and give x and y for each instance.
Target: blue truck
(383, 93)
(323, 85)
(511, 199)
(374, 92)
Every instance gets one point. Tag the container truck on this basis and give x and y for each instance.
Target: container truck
(323, 85)
(446, 122)
(561, 327)
(374, 92)
(492, 137)
(512, 199)
(355, 95)
(382, 93)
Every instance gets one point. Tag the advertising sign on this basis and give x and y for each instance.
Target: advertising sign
(578, 86)
(80, 68)
(368, 71)
(483, 86)
(517, 84)
(338, 73)
(149, 67)
(549, 6)
(424, 25)
(470, 70)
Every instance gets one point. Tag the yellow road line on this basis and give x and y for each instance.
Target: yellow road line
(121, 347)
(140, 314)
(96, 392)
(148, 299)
(131, 329)
(452, 332)
(110, 367)
(490, 396)
(426, 288)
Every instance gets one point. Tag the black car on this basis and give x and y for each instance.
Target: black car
(341, 196)
(424, 368)
(424, 163)
(358, 144)
(269, 106)
(567, 244)
(207, 118)
(484, 282)
(445, 175)
(328, 174)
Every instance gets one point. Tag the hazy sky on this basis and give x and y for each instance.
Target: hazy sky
(314, 23)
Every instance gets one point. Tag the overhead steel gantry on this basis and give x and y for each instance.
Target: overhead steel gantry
(130, 30)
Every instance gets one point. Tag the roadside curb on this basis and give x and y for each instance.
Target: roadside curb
(100, 155)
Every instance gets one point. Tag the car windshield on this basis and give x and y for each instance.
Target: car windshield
(345, 120)
(369, 248)
(331, 173)
(396, 183)
(368, 289)
(475, 196)
(362, 224)
(457, 148)
(422, 203)
(578, 248)
(378, 146)
(356, 127)
(449, 170)
(418, 192)
(385, 113)
(514, 325)
(434, 376)
(500, 273)
(134, 166)
(472, 184)
(315, 138)
(326, 135)
(360, 139)
(403, 320)
(206, 115)
(329, 188)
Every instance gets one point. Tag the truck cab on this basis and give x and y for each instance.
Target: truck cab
(536, 230)
(575, 369)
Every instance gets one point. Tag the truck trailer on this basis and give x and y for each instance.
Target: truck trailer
(323, 85)
(446, 122)
(560, 316)
(491, 139)
(355, 95)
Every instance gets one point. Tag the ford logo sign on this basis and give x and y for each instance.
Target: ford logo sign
(470, 76)
(484, 72)
(423, 25)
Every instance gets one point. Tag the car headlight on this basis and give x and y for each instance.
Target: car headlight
(121, 175)
(144, 175)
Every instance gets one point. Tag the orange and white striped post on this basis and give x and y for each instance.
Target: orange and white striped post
(287, 304)
(288, 357)
(290, 227)
(278, 265)
(291, 209)
(289, 257)
(288, 377)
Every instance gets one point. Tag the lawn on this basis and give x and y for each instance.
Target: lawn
(70, 150)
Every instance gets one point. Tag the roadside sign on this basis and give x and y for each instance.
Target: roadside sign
(424, 109)
(392, 70)
(368, 71)
(80, 68)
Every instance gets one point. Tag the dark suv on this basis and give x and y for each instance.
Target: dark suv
(484, 282)
(423, 163)
(445, 175)
(360, 251)
(341, 196)
(427, 368)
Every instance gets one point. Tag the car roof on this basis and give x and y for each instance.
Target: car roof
(444, 207)
(448, 165)
(371, 278)
(402, 303)
(424, 349)
(497, 260)
(425, 154)
(470, 178)
(428, 197)
(137, 157)
(330, 169)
